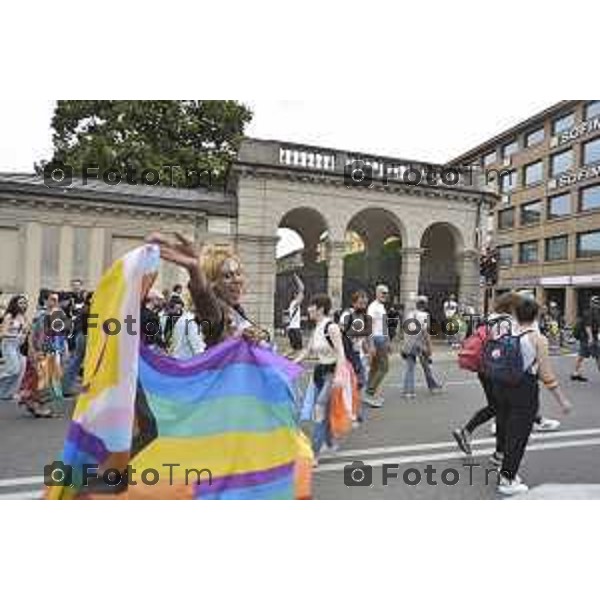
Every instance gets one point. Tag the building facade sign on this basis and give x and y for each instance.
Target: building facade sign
(574, 177)
(584, 280)
(555, 281)
(567, 280)
(576, 132)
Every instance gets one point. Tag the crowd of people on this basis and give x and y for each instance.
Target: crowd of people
(41, 363)
(43, 354)
(350, 349)
(516, 331)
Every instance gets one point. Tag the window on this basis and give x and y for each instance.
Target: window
(506, 218)
(534, 173)
(561, 162)
(591, 152)
(531, 213)
(590, 198)
(563, 123)
(535, 137)
(505, 256)
(81, 253)
(588, 244)
(11, 258)
(559, 206)
(510, 149)
(528, 252)
(592, 109)
(508, 181)
(557, 248)
(489, 159)
(50, 255)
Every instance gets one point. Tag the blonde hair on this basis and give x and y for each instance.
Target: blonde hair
(212, 258)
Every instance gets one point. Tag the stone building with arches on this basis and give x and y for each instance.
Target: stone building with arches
(418, 239)
(437, 224)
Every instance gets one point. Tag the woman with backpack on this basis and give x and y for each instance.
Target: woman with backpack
(417, 346)
(522, 361)
(330, 372)
(499, 323)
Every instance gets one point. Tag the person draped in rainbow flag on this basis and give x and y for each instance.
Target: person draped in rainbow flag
(220, 425)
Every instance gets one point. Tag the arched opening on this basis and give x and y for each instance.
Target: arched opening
(439, 276)
(301, 249)
(373, 253)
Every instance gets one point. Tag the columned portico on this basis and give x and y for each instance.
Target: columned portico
(409, 277)
(468, 262)
(257, 254)
(335, 273)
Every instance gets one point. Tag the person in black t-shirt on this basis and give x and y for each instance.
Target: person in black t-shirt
(587, 331)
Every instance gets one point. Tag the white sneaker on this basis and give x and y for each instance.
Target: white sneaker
(373, 401)
(506, 487)
(329, 451)
(546, 425)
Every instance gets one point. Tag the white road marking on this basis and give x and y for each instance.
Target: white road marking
(452, 444)
(21, 481)
(551, 440)
(419, 458)
(33, 495)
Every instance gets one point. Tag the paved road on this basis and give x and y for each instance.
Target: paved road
(414, 434)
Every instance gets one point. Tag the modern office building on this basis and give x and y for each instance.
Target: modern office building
(547, 222)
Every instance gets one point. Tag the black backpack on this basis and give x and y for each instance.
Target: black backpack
(349, 351)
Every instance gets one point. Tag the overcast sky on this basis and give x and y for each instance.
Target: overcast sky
(434, 128)
(431, 129)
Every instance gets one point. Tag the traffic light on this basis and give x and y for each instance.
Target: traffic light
(488, 267)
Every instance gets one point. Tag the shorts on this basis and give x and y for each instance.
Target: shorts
(295, 337)
(587, 350)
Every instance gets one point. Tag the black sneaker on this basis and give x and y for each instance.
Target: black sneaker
(462, 439)
(577, 377)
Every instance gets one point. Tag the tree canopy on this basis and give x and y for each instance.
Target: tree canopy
(190, 135)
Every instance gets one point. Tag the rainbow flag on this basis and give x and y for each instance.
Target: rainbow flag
(218, 426)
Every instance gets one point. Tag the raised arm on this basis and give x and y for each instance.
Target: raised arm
(300, 285)
(184, 254)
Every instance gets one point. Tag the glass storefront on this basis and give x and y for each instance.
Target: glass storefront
(583, 298)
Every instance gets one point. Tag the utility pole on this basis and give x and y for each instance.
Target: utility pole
(488, 269)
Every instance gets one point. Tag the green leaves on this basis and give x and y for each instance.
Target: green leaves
(192, 134)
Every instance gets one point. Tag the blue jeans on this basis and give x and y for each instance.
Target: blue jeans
(74, 366)
(409, 375)
(322, 431)
(13, 369)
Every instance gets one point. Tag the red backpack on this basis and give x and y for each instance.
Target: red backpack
(470, 355)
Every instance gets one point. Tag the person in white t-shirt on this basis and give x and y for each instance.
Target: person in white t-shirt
(451, 314)
(187, 340)
(294, 330)
(380, 347)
